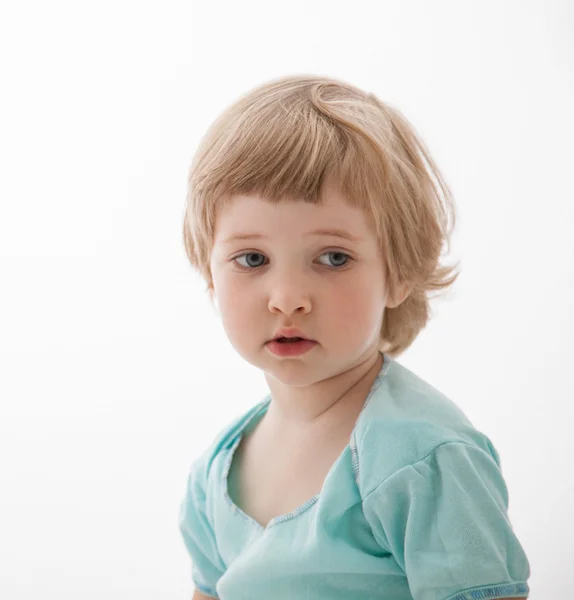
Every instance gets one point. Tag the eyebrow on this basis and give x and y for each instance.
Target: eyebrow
(340, 233)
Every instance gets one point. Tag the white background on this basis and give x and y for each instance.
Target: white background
(111, 358)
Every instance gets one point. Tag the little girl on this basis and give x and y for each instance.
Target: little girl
(353, 478)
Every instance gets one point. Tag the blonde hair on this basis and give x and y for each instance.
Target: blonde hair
(284, 138)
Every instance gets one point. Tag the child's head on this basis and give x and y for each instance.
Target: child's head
(308, 152)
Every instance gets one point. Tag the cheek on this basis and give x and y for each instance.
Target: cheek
(235, 303)
(360, 305)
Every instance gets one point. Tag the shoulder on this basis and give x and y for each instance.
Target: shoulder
(203, 465)
(405, 418)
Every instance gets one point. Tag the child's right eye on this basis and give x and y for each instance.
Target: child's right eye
(248, 267)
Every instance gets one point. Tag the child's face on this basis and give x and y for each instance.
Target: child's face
(292, 278)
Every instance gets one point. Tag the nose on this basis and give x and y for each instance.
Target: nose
(289, 296)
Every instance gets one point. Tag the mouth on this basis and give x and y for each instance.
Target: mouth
(290, 347)
(289, 335)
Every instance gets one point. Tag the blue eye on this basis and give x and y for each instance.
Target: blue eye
(248, 254)
(336, 257)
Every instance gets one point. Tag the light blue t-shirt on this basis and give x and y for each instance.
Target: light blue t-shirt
(415, 507)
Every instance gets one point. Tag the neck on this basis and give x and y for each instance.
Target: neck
(322, 404)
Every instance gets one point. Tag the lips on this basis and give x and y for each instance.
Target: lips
(289, 334)
(287, 349)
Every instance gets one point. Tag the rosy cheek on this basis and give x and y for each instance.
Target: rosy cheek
(360, 303)
(349, 299)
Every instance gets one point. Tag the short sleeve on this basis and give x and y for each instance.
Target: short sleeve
(444, 519)
(198, 535)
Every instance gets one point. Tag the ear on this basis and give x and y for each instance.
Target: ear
(402, 292)
(211, 293)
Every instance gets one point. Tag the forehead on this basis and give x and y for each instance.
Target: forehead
(251, 214)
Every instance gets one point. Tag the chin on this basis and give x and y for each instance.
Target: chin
(296, 371)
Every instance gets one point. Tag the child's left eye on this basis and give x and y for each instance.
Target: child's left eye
(338, 256)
